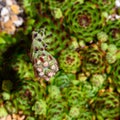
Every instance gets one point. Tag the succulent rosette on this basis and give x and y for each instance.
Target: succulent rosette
(112, 54)
(80, 113)
(83, 21)
(77, 97)
(30, 8)
(112, 29)
(23, 67)
(54, 92)
(7, 85)
(105, 5)
(56, 109)
(109, 108)
(74, 112)
(93, 60)
(97, 80)
(40, 108)
(69, 61)
(10, 106)
(27, 93)
(111, 58)
(62, 79)
(102, 36)
(73, 95)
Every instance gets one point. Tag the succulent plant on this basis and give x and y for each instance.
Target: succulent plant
(7, 85)
(5, 96)
(73, 95)
(80, 20)
(89, 90)
(40, 107)
(112, 48)
(69, 61)
(54, 92)
(10, 106)
(56, 109)
(97, 80)
(105, 5)
(23, 67)
(57, 13)
(93, 60)
(78, 97)
(102, 36)
(104, 46)
(74, 112)
(62, 79)
(106, 105)
(80, 113)
(28, 92)
(30, 8)
(112, 28)
(82, 77)
(111, 58)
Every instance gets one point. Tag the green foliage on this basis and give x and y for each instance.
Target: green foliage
(83, 20)
(112, 28)
(40, 107)
(24, 67)
(69, 61)
(62, 79)
(109, 108)
(56, 36)
(3, 112)
(85, 44)
(93, 60)
(7, 85)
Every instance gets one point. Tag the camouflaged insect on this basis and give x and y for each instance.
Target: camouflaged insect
(45, 65)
